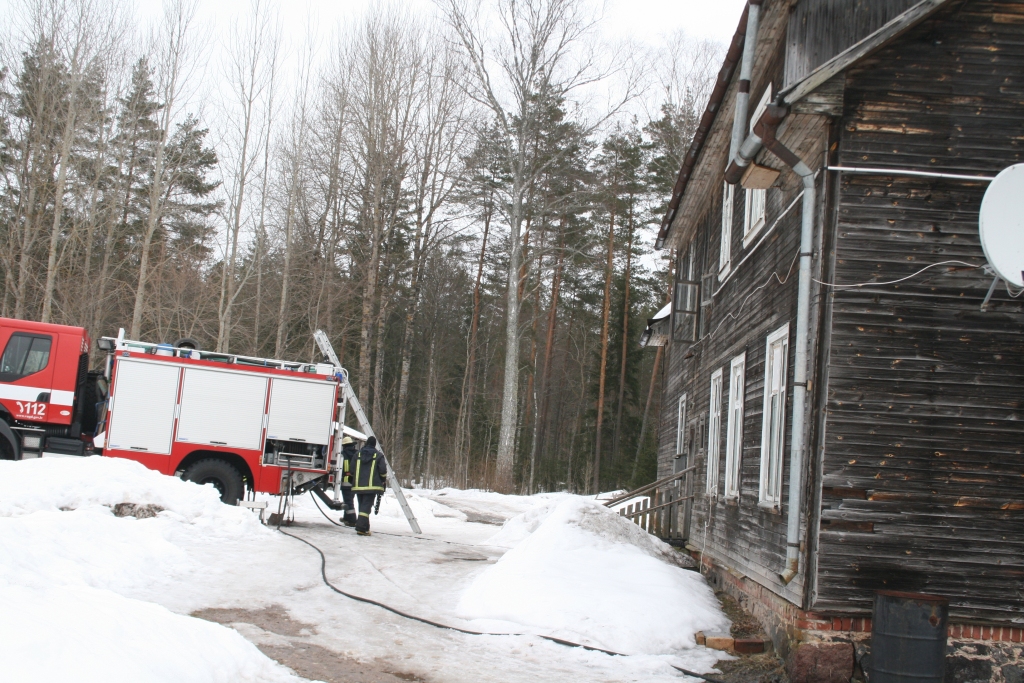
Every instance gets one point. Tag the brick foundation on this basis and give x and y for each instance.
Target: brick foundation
(976, 653)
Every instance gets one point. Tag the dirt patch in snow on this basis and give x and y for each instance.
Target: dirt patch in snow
(274, 619)
(137, 511)
(294, 650)
(480, 517)
(459, 555)
(317, 663)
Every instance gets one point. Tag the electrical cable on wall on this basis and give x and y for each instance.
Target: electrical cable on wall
(893, 282)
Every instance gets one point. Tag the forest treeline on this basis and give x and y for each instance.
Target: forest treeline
(439, 194)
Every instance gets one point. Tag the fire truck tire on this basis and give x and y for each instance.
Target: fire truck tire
(8, 442)
(6, 449)
(223, 475)
(186, 343)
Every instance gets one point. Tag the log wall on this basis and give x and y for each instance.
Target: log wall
(922, 454)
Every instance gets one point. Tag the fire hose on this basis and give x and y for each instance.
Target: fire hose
(449, 627)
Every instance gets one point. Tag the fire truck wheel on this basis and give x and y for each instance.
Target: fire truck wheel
(6, 449)
(224, 477)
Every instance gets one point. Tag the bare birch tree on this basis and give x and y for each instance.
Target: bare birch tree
(252, 69)
(385, 58)
(536, 53)
(174, 60)
(82, 32)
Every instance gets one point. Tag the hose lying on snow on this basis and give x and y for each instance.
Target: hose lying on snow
(422, 620)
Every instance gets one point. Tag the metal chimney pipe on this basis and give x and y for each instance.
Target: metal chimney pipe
(739, 121)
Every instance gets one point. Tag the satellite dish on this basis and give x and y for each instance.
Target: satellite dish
(1001, 224)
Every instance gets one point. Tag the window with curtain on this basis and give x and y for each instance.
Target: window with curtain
(714, 433)
(681, 426)
(725, 252)
(773, 421)
(734, 426)
(754, 205)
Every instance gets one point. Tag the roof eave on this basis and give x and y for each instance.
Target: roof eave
(790, 95)
(725, 74)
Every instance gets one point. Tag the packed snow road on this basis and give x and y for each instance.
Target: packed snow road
(92, 596)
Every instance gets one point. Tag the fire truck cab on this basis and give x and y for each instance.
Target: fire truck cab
(44, 389)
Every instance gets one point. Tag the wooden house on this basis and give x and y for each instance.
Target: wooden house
(867, 432)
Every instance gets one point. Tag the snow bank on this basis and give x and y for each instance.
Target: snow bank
(89, 635)
(72, 483)
(67, 564)
(579, 571)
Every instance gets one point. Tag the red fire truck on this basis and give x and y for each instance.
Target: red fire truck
(233, 421)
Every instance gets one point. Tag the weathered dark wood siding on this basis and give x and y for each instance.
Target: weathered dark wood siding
(923, 449)
(820, 29)
(756, 299)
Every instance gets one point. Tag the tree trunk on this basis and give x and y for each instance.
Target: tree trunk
(282, 312)
(431, 407)
(58, 208)
(647, 410)
(378, 367)
(625, 340)
(227, 277)
(464, 423)
(605, 309)
(549, 343)
(369, 298)
(505, 457)
(411, 311)
(152, 223)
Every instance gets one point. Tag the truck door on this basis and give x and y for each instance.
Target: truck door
(141, 411)
(26, 373)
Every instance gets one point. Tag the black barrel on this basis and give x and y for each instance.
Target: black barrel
(908, 638)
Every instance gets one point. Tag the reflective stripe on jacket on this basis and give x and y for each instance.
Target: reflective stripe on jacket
(368, 471)
(348, 455)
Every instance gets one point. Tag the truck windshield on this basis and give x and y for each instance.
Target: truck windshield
(25, 354)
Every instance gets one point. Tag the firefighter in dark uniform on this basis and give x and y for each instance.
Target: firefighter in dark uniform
(348, 455)
(368, 480)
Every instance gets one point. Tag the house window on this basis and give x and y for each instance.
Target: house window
(773, 424)
(686, 303)
(725, 253)
(714, 432)
(766, 97)
(681, 426)
(754, 213)
(734, 428)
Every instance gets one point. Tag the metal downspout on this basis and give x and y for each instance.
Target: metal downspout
(764, 135)
(739, 120)
(796, 453)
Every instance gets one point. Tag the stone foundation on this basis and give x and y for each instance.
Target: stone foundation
(829, 648)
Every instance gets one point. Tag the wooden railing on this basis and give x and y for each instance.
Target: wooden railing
(665, 510)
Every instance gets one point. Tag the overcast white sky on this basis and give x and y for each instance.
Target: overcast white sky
(644, 20)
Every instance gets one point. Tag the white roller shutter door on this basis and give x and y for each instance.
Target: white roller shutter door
(142, 415)
(222, 408)
(301, 410)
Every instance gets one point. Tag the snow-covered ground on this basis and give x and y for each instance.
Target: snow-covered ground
(89, 596)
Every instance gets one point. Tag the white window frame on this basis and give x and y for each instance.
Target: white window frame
(754, 204)
(773, 420)
(725, 250)
(753, 214)
(714, 434)
(681, 426)
(734, 429)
